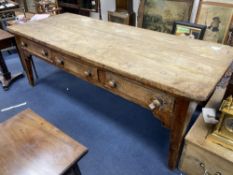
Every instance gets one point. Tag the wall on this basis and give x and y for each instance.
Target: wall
(109, 5)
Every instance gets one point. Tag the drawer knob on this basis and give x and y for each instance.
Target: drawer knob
(44, 53)
(112, 84)
(87, 73)
(156, 103)
(59, 61)
(206, 172)
(24, 44)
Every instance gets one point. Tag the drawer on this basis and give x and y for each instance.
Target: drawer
(76, 67)
(155, 100)
(36, 49)
(196, 161)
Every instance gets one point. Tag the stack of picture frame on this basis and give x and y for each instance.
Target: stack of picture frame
(214, 21)
(160, 15)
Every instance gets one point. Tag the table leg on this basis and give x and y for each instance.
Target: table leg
(27, 62)
(6, 78)
(3, 68)
(182, 115)
(74, 170)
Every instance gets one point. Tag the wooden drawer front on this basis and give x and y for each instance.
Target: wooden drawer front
(137, 92)
(36, 49)
(196, 160)
(75, 67)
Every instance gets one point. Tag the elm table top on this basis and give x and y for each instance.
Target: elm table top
(180, 66)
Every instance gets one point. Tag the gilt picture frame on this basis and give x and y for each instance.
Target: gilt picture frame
(159, 15)
(218, 18)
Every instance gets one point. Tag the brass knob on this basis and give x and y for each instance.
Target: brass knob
(59, 61)
(112, 83)
(87, 73)
(44, 53)
(24, 44)
(156, 103)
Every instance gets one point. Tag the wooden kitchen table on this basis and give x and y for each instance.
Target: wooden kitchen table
(161, 72)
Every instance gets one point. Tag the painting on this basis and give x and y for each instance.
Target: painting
(230, 35)
(190, 30)
(159, 15)
(217, 17)
(30, 6)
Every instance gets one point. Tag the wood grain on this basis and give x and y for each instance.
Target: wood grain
(31, 146)
(179, 125)
(5, 35)
(176, 65)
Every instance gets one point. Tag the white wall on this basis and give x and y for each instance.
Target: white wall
(195, 9)
(109, 5)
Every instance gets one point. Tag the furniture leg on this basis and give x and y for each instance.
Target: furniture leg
(74, 170)
(6, 78)
(34, 68)
(182, 114)
(27, 61)
(16, 43)
(3, 68)
(21, 55)
(77, 170)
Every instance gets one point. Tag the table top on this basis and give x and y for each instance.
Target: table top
(5, 35)
(177, 65)
(30, 145)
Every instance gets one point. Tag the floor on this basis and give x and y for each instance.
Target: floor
(123, 138)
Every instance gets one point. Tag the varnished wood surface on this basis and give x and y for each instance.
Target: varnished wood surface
(29, 145)
(177, 65)
(5, 35)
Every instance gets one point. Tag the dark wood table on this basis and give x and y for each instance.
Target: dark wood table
(6, 40)
(30, 145)
(6, 3)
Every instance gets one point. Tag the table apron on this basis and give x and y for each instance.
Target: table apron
(159, 102)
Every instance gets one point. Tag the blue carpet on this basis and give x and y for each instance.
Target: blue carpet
(123, 138)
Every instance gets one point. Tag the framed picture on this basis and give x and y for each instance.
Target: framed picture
(30, 6)
(217, 16)
(119, 17)
(159, 15)
(190, 30)
(230, 35)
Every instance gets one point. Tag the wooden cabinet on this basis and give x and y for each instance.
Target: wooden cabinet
(124, 13)
(201, 156)
(83, 7)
